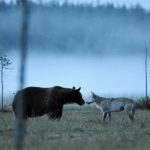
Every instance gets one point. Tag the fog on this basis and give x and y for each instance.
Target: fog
(107, 76)
(100, 49)
(104, 30)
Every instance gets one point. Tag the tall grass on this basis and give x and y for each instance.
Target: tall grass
(80, 128)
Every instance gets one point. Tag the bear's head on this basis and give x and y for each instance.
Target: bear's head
(77, 96)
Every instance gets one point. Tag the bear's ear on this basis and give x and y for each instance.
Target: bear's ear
(78, 89)
(73, 88)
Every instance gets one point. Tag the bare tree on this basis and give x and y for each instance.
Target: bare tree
(23, 47)
(4, 64)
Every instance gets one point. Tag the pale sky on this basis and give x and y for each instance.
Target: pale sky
(144, 3)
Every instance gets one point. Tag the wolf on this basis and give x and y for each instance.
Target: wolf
(108, 105)
(38, 101)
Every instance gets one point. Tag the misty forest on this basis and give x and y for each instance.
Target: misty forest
(60, 47)
(103, 30)
(96, 40)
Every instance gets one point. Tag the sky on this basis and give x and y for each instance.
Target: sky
(129, 3)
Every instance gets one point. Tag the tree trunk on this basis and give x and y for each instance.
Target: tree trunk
(2, 86)
(20, 127)
(146, 96)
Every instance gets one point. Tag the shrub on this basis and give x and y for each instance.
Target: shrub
(143, 103)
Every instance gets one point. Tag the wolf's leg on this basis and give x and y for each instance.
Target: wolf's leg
(130, 111)
(109, 116)
(104, 116)
(130, 114)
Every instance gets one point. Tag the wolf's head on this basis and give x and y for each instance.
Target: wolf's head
(96, 98)
(92, 99)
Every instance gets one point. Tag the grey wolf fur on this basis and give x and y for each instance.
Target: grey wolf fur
(108, 105)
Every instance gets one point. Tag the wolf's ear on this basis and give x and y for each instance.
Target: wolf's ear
(73, 88)
(92, 93)
(78, 89)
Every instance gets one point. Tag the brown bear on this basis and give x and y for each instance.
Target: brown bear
(37, 101)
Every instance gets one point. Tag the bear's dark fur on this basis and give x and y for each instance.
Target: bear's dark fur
(38, 101)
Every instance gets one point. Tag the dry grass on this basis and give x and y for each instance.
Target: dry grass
(80, 128)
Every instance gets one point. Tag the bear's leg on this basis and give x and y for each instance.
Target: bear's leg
(56, 115)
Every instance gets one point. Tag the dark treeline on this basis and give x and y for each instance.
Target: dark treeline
(85, 29)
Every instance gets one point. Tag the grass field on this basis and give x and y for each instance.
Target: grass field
(81, 128)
